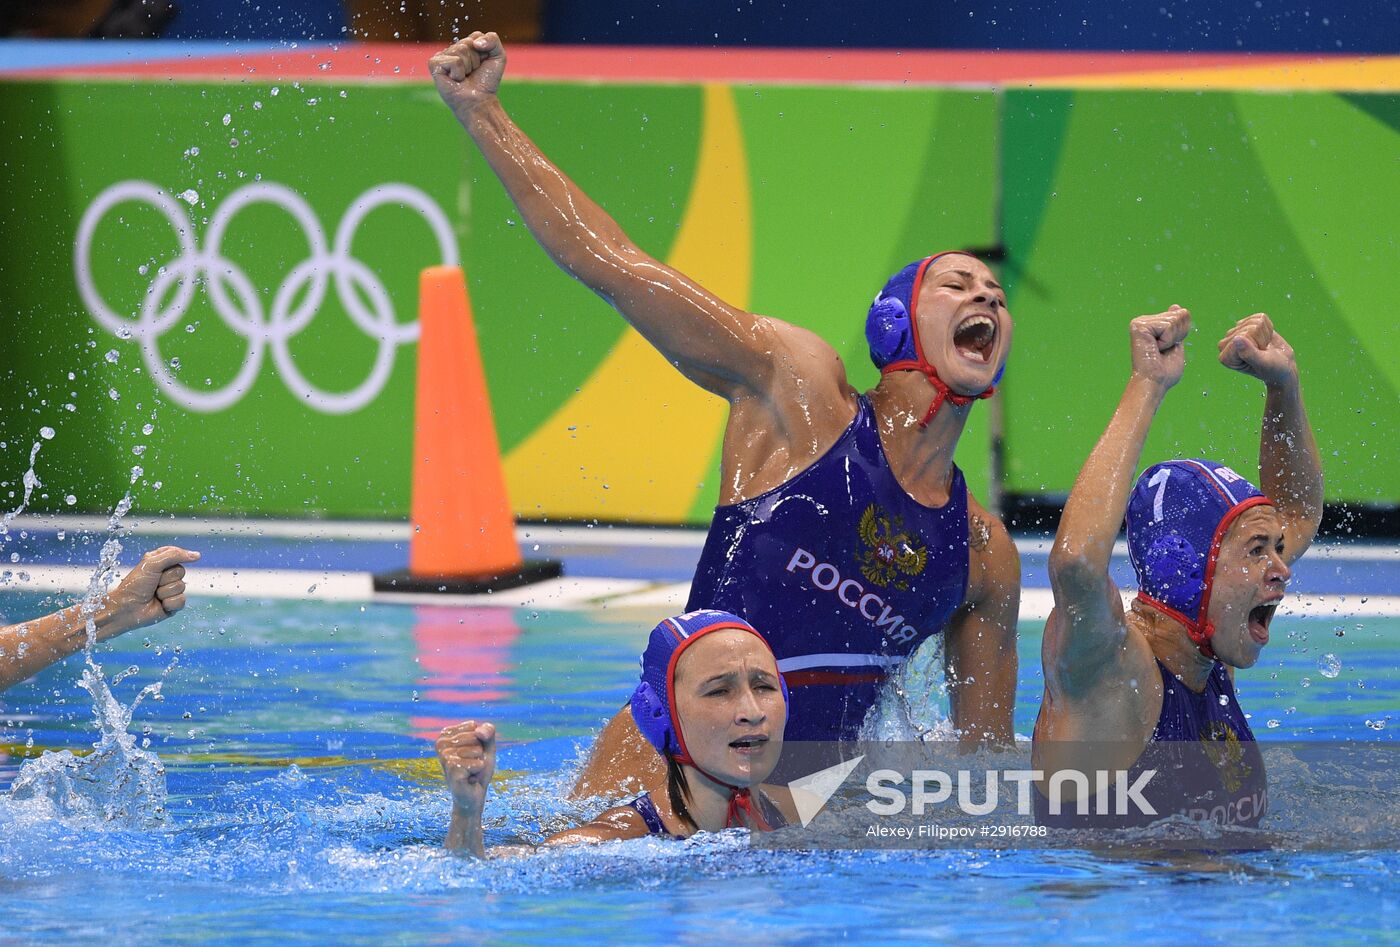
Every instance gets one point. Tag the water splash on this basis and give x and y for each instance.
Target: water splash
(913, 704)
(31, 483)
(117, 782)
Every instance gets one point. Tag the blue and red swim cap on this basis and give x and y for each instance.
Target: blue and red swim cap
(1178, 513)
(653, 706)
(892, 332)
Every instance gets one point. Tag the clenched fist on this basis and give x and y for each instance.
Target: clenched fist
(151, 592)
(1254, 348)
(1157, 349)
(468, 72)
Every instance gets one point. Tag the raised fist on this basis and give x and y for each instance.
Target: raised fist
(1253, 347)
(468, 72)
(1157, 345)
(467, 752)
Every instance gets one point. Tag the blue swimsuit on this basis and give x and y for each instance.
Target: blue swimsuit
(1208, 765)
(647, 810)
(843, 572)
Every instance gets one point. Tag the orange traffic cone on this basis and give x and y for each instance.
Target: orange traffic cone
(463, 538)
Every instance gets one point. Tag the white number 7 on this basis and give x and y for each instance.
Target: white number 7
(1159, 480)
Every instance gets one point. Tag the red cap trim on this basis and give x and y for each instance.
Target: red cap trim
(1201, 630)
(941, 390)
(740, 797)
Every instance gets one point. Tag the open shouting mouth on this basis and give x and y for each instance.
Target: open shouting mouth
(975, 337)
(1259, 618)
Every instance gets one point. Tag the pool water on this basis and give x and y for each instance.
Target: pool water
(305, 804)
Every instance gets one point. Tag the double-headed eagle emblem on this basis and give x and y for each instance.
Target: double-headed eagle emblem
(891, 554)
(1222, 746)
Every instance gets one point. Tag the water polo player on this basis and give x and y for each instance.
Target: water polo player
(149, 593)
(712, 704)
(846, 531)
(1153, 687)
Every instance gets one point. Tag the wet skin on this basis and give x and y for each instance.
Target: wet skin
(1100, 660)
(788, 394)
(731, 712)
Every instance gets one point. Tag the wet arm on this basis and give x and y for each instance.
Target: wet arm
(29, 647)
(721, 348)
(1089, 626)
(464, 834)
(980, 645)
(1290, 467)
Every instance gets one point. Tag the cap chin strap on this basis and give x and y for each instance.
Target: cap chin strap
(942, 392)
(919, 363)
(1199, 632)
(740, 799)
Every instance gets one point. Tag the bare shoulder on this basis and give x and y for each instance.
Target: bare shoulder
(1118, 699)
(802, 359)
(994, 564)
(619, 822)
(785, 421)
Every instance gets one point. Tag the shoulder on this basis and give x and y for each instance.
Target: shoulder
(619, 822)
(799, 356)
(994, 564)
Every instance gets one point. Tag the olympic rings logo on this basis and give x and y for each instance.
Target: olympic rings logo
(240, 306)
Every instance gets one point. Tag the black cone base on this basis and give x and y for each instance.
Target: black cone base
(534, 570)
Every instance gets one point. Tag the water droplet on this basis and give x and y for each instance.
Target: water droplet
(46, 433)
(257, 105)
(112, 393)
(147, 429)
(1224, 701)
(1274, 724)
(275, 90)
(227, 118)
(190, 196)
(1376, 724)
(1329, 666)
(139, 449)
(124, 332)
(112, 356)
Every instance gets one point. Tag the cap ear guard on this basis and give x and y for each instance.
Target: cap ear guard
(652, 717)
(1172, 569)
(887, 330)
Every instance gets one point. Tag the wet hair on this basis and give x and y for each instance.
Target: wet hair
(678, 792)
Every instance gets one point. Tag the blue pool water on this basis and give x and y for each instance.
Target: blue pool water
(304, 803)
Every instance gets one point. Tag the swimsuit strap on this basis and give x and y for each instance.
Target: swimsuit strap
(647, 810)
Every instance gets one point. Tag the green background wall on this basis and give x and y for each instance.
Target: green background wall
(1109, 203)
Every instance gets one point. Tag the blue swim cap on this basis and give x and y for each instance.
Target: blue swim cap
(652, 707)
(1177, 515)
(892, 332)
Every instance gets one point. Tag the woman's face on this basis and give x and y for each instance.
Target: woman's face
(964, 327)
(730, 706)
(1251, 575)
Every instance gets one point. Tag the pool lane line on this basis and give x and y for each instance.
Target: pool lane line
(570, 593)
(567, 593)
(577, 534)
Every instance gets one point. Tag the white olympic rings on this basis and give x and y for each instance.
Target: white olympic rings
(242, 308)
